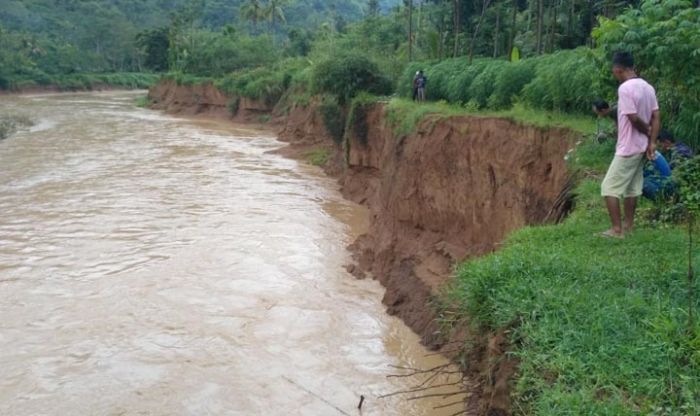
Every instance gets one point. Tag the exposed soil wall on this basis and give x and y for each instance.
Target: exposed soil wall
(203, 100)
(455, 188)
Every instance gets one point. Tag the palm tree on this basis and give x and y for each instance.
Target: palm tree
(275, 12)
(252, 11)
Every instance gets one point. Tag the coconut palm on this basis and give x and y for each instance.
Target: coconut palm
(253, 11)
(275, 12)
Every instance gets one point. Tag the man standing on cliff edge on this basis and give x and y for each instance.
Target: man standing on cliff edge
(638, 123)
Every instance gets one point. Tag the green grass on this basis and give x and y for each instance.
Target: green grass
(405, 116)
(10, 123)
(142, 101)
(85, 81)
(601, 326)
(318, 157)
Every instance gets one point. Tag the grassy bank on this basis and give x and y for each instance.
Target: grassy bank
(405, 116)
(598, 326)
(76, 82)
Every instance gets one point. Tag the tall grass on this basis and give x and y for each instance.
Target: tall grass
(565, 81)
(86, 81)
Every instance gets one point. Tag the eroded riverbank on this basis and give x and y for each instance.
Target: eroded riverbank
(167, 266)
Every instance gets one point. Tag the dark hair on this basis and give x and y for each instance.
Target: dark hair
(601, 104)
(666, 135)
(623, 59)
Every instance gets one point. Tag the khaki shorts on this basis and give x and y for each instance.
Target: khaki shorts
(625, 177)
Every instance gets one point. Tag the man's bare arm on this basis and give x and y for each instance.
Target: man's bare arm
(639, 124)
(654, 134)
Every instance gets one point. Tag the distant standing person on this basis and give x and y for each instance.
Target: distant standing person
(638, 122)
(422, 81)
(415, 85)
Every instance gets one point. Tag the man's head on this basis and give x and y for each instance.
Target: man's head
(623, 66)
(666, 139)
(601, 107)
(420, 72)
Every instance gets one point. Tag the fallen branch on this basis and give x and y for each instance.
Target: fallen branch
(442, 395)
(419, 389)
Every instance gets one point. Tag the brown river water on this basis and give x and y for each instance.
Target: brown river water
(153, 265)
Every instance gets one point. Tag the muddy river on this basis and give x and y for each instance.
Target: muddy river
(153, 265)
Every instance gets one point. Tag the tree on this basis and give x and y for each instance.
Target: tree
(154, 45)
(409, 5)
(457, 21)
(484, 6)
(275, 12)
(252, 11)
(373, 8)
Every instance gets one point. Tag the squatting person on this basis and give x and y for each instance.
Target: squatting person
(638, 124)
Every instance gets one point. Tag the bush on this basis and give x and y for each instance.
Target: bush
(483, 84)
(565, 81)
(333, 118)
(510, 83)
(663, 37)
(459, 86)
(266, 84)
(345, 76)
(357, 117)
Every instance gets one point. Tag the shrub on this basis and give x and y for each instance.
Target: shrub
(318, 157)
(345, 76)
(357, 117)
(510, 82)
(483, 84)
(266, 84)
(565, 81)
(459, 86)
(333, 118)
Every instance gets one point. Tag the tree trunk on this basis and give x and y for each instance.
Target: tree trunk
(410, 30)
(497, 30)
(540, 18)
(691, 277)
(455, 16)
(552, 26)
(511, 39)
(484, 7)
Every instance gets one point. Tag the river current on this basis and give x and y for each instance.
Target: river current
(154, 265)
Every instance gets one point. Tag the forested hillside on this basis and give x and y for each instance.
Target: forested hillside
(40, 39)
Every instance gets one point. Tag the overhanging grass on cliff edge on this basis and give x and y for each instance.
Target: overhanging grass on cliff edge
(601, 324)
(405, 115)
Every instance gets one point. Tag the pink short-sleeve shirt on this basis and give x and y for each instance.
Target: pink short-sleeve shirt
(635, 96)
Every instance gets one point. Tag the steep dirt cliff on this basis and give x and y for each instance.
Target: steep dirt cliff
(455, 188)
(203, 99)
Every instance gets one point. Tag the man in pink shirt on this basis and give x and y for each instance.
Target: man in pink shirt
(638, 123)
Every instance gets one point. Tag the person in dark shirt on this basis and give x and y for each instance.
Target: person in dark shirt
(422, 81)
(658, 183)
(675, 151)
(415, 85)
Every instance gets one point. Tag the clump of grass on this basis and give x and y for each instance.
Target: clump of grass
(143, 101)
(318, 157)
(333, 117)
(405, 116)
(264, 118)
(357, 116)
(10, 123)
